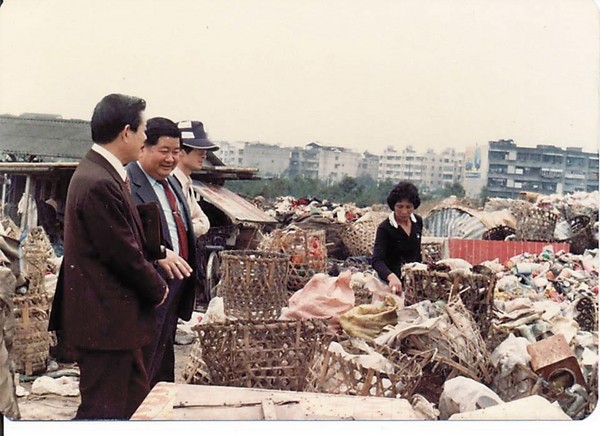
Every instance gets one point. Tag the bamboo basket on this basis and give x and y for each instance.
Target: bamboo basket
(31, 346)
(583, 234)
(587, 314)
(253, 283)
(307, 251)
(498, 233)
(196, 371)
(261, 354)
(476, 291)
(359, 236)
(457, 349)
(536, 225)
(333, 373)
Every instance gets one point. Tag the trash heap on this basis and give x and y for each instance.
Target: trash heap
(337, 220)
(289, 210)
(525, 331)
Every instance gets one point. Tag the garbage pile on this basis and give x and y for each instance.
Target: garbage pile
(289, 210)
(434, 350)
(314, 214)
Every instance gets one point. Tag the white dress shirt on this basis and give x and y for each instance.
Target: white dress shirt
(112, 159)
(200, 221)
(166, 207)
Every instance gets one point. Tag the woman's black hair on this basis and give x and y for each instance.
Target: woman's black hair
(404, 191)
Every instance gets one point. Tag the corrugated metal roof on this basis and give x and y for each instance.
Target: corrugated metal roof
(453, 223)
(235, 207)
(48, 137)
(52, 137)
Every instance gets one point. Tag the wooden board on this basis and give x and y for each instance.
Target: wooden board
(169, 401)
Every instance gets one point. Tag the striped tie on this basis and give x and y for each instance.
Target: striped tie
(181, 232)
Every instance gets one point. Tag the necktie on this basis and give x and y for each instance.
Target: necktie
(127, 185)
(181, 232)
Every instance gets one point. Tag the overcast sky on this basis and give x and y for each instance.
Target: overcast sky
(358, 74)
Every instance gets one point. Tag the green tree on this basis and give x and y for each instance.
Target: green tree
(455, 189)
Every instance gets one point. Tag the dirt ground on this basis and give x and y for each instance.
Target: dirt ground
(56, 407)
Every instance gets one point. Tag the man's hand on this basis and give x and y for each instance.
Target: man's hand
(174, 266)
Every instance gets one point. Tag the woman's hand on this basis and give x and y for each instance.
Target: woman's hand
(395, 284)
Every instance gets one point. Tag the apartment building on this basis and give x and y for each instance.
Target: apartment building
(231, 153)
(271, 160)
(327, 163)
(369, 165)
(429, 170)
(506, 169)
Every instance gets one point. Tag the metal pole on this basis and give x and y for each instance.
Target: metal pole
(4, 183)
(26, 197)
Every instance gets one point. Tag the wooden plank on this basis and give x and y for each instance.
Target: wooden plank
(269, 411)
(195, 402)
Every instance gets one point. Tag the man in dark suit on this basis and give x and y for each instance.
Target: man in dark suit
(151, 182)
(108, 291)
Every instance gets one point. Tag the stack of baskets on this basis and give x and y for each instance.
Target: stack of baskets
(475, 290)
(255, 349)
(31, 344)
(306, 249)
(253, 283)
(536, 224)
(261, 354)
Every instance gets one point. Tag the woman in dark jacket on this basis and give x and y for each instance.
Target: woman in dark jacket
(398, 238)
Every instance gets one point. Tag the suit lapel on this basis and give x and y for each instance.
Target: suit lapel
(143, 192)
(101, 161)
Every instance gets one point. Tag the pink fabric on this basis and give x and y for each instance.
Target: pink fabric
(322, 297)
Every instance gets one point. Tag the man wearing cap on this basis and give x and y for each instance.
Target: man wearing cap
(194, 147)
(151, 181)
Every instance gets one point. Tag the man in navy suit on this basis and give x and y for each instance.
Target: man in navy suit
(151, 181)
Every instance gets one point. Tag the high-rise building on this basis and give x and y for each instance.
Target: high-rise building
(231, 153)
(271, 160)
(429, 170)
(506, 169)
(369, 165)
(327, 163)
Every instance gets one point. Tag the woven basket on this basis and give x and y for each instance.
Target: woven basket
(459, 348)
(587, 314)
(335, 374)
(498, 233)
(359, 237)
(261, 354)
(583, 234)
(196, 371)
(307, 251)
(253, 283)
(31, 344)
(475, 290)
(536, 224)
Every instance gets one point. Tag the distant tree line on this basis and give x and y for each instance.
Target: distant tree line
(362, 190)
